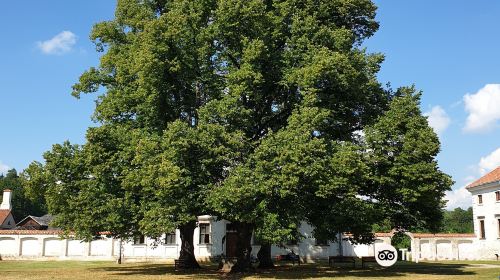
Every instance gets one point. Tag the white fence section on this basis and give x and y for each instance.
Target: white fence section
(45, 245)
(446, 247)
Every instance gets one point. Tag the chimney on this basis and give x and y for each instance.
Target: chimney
(7, 195)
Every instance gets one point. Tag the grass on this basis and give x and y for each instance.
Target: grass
(13, 270)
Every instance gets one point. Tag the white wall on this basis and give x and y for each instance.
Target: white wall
(26, 245)
(8, 246)
(489, 211)
(75, 248)
(466, 250)
(47, 245)
(445, 247)
(31, 247)
(53, 247)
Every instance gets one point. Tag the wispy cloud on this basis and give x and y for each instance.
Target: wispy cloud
(3, 168)
(59, 44)
(483, 109)
(461, 197)
(489, 162)
(438, 119)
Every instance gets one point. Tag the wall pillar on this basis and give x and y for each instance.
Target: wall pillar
(454, 249)
(64, 248)
(19, 245)
(433, 248)
(41, 245)
(110, 246)
(415, 249)
(86, 249)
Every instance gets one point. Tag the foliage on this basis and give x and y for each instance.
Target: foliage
(250, 111)
(458, 220)
(401, 241)
(84, 184)
(302, 88)
(407, 183)
(26, 199)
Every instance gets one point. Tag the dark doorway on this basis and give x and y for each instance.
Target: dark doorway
(231, 240)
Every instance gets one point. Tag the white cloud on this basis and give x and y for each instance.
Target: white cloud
(438, 119)
(483, 109)
(489, 162)
(458, 198)
(59, 44)
(3, 168)
(461, 197)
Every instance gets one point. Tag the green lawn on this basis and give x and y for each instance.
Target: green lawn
(10, 270)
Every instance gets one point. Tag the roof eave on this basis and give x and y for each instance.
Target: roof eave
(483, 186)
(32, 217)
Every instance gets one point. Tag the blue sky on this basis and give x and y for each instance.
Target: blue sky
(448, 49)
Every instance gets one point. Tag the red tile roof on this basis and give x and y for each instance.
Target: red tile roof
(430, 235)
(493, 176)
(40, 232)
(383, 234)
(30, 232)
(3, 215)
(444, 235)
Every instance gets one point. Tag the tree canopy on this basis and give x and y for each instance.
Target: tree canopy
(265, 113)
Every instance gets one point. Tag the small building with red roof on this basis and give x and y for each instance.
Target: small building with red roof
(6, 218)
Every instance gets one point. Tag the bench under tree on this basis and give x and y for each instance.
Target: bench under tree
(366, 260)
(341, 259)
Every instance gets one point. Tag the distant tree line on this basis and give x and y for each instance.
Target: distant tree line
(458, 221)
(25, 200)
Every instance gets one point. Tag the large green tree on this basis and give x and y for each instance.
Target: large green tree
(286, 62)
(157, 69)
(247, 110)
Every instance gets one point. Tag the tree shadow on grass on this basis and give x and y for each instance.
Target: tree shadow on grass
(306, 271)
(402, 269)
(206, 272)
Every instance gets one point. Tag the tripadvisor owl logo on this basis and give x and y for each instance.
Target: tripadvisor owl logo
(385, 254)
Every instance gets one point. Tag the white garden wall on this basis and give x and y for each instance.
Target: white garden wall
(46, 245)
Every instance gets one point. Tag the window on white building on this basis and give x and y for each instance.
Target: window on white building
(204, 233)
(482, 233)
(498, 225)
(497, 194)
(170, 238)
(480, 199)
(139, 240)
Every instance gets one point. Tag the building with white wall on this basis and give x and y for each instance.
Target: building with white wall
(6, 218)
(209, 242)
(486, 212)
(212, 238)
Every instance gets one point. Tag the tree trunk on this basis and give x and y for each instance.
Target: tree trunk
(187, 245)
(120, 252)
(243, 247)
(264, 256)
